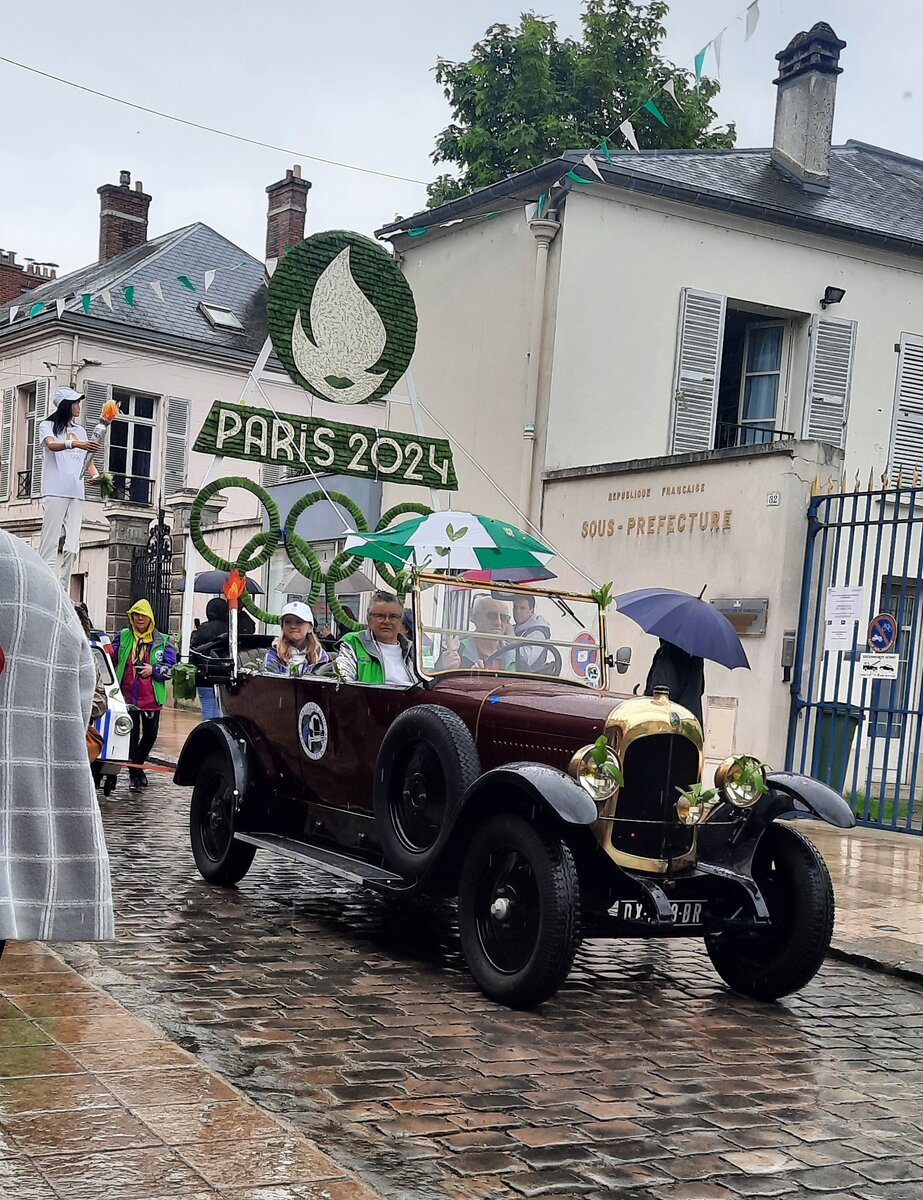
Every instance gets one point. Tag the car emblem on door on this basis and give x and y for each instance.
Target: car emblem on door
(312, 731)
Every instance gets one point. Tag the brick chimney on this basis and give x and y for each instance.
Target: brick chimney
(288, 203)
(122, 216)
(16, 279)
(808, 67)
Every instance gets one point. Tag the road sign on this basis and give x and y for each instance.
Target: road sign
(584, 653)
(882, 632)
(878, 666)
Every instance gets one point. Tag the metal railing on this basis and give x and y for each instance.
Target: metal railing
(138, 489)
(730, 433)
(24, 485)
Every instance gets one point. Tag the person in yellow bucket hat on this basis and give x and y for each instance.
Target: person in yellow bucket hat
(144, 658)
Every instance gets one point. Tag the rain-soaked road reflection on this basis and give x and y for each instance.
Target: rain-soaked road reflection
(355, 1017)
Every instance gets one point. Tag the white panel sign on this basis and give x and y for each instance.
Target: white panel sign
(878, 666)
(844, 604)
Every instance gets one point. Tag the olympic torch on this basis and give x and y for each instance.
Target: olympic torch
(101, 434)
(233, 590)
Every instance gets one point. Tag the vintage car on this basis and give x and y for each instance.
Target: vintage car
(489, 782)
(114, 725)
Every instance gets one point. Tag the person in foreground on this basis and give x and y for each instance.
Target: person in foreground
(54, 869)
(144, 658)
(381, 653)
(297, 650)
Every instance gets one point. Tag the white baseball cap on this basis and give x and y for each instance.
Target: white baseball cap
(66, 393)
(297, 608)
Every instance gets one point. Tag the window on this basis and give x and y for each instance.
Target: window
(131, 443)
(751, 392)
(220, 318)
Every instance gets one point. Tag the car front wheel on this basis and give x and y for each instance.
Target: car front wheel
(220, 858)
(786, 955)
(518, 911)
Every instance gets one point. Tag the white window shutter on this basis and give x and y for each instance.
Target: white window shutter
(698, 371)
(175, 445)
(271, 474)
(830, 359)
(7, 400)
(95, 396)
(907, 427)
(38, 450)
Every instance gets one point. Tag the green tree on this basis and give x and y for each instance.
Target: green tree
(525, 96)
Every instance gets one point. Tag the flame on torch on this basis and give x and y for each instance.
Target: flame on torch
(110, 411)
(234, 588)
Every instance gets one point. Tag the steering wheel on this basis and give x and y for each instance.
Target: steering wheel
(550, 664)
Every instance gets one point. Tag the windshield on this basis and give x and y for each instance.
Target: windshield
(508, 631)
(103, 665)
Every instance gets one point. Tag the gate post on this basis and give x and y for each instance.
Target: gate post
(129, 529)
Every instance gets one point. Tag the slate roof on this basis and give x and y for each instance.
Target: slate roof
(875, 195)
(190, 251)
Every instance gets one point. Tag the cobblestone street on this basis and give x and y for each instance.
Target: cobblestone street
(645, 1078)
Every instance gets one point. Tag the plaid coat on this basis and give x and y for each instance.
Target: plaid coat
(54, 869)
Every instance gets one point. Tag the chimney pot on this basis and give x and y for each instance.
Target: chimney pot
(124, 178)
(139, 186)
(803, 131)
(296, 170)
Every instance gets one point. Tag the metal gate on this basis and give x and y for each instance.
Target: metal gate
(857, 689)
(152, 571)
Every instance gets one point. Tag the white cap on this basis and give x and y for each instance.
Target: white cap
(66, 393)
(297, 608)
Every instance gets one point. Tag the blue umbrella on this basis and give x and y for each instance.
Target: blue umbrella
(210, 583)
(686, 621)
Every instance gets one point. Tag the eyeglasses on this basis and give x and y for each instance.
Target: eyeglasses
(385, 616)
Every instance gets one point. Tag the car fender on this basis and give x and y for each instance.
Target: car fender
(224, 734)
(802, 794)
(528, 787)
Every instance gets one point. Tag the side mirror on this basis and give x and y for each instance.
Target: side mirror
(622, 659)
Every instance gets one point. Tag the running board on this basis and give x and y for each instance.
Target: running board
(343, 865)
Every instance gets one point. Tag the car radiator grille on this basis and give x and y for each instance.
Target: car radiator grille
(645, 819)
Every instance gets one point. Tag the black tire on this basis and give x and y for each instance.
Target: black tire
(219, 857)
(109, 782)
(427, 762)
(796, 885)
(521, 956)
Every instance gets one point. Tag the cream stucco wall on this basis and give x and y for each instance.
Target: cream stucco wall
(643, 527)
(624, 262)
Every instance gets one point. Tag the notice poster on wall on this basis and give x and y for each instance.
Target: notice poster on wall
(842, 613)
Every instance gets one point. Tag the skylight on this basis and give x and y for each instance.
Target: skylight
(220, 318)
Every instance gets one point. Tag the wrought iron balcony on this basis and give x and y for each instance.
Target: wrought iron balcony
(24, 485)
(730, 434)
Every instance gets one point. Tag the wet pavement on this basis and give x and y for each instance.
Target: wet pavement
(353, 1018)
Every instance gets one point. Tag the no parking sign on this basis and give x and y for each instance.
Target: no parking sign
(882, 632)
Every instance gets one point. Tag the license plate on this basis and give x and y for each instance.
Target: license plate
(685, 912)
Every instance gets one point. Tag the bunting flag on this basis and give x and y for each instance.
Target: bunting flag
(186, 282)
(59, 305)
(627, 130)
(209, 278)
(654, 111)
(753, 19)
(670, 88)
(699, 64)
(540, 206)
(129, 293)
(416, 232)
(107, 298)
(36, 308)
(605, 151)
(576, 178)
(157, 290)
(14, 309)
(716, 44)
(590, 163)
(85, 301)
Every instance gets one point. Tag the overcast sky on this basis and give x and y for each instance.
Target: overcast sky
(350, 81)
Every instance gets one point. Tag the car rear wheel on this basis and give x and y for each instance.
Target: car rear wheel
(518, 911)
(427, 762)
(785, 956)
(219, 857)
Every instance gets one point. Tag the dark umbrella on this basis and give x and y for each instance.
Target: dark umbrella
(211, 583)
(686, 621)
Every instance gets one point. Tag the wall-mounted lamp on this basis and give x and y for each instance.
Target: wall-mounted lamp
(832, 295)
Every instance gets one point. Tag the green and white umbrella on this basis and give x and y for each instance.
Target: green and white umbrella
(454, 541)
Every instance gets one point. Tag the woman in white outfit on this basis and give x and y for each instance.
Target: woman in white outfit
(65, 449)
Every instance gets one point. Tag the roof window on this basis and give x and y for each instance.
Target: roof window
(220, 318)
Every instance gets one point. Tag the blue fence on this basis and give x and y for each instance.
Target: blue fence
(857, 687)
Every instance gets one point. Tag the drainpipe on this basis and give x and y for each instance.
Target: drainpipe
(75, 366)
(544, 230)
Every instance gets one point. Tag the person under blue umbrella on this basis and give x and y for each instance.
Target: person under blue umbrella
(682, 674)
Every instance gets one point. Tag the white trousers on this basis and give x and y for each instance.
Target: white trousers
(61, 512)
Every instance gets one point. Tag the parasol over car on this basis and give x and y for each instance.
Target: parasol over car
(686, 621)
(212, 582)
(453, 541)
